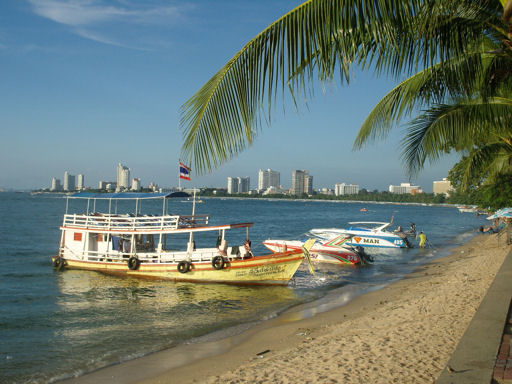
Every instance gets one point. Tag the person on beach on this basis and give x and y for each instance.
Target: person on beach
(488, 229)
(423, 239)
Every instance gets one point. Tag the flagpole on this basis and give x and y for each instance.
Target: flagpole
(179, 174)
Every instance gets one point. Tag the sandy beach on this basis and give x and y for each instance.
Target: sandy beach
(403, 333)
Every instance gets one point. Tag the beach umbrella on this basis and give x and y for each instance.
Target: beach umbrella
(503, 212)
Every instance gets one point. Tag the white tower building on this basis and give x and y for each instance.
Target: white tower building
(299, 182)
(56, 186)
(80, 183)
(268, 178)
(123, 177)
(135, 184)
(69, 182)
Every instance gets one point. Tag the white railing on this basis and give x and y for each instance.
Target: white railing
(127, 222)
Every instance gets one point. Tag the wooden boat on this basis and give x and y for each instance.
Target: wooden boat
(144, 246)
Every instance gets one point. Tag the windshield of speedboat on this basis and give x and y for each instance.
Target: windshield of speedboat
(374, 226)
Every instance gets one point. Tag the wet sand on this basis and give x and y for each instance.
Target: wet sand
(403, 333)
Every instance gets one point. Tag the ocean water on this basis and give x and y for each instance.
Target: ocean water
(55, 325)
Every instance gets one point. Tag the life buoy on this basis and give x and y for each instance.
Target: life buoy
(218, 262)
(184, 266)
(133, 263)
(58, 263)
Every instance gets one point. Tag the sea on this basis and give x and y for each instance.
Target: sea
(57, 325)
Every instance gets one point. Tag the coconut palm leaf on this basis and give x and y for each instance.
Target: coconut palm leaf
(446, 80)
(318, 40)
(315, 40)
(461, 126)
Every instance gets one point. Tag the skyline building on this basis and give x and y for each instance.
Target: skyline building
(56, 185)
(80, 183)
(136, 184)
(239, 184)
(268, 178)
(68, 182)
(308, 184)
(123, 177)
(302, 182)
(404, 188)
(444, 186)
(232, 185)
(346, 189)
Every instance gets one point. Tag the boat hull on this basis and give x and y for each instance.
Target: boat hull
(319, 253)
(360, 238)
(275, 269)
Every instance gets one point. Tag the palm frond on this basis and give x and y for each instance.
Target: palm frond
(458, 126)
(316, 40)
(313, 40)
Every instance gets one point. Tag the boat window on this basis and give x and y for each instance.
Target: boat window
(115, 243)
(145, 242)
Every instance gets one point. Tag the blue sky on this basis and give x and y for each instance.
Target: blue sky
(87, 84)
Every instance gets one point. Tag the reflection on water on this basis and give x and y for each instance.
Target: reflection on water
(98, 310)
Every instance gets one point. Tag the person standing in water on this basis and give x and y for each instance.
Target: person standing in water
(423, 239)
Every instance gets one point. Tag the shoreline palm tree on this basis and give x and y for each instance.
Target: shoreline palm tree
(452, 50)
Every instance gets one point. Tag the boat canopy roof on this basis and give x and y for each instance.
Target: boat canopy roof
(119, 195)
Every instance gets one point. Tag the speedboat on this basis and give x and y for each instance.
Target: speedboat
(164, 246)
(365, 234)
(332, 251)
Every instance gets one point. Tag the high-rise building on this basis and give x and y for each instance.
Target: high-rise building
(405, 188)
(123, 177)
(308, 184)
(56, 185)
(302, 182)
(268, 178)
(239, 184)
(69, 182)
(232, 185)
(444, 187)
(346, 189)
(244, 184)
(80, 183)
(104, 184)
(135, 184)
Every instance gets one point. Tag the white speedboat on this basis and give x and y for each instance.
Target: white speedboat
(332, 251)
(365, 234)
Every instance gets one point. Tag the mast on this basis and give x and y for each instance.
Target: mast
(190, 245)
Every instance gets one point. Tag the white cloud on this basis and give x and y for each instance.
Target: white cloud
(100, 20)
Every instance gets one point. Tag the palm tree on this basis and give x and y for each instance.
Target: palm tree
(444, 46)
(464, 119)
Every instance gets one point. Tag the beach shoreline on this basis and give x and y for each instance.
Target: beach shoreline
(404, 332)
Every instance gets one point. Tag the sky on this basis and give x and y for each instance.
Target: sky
(88, 84)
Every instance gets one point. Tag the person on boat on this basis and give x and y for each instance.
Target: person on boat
(423, 239)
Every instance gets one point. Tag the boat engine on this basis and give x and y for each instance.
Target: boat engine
(363, 256)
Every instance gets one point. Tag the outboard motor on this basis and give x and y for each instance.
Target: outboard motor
(363, 256)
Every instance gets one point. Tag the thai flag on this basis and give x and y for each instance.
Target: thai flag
(184, 172)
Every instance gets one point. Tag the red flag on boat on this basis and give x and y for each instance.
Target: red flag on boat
(184, 172)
